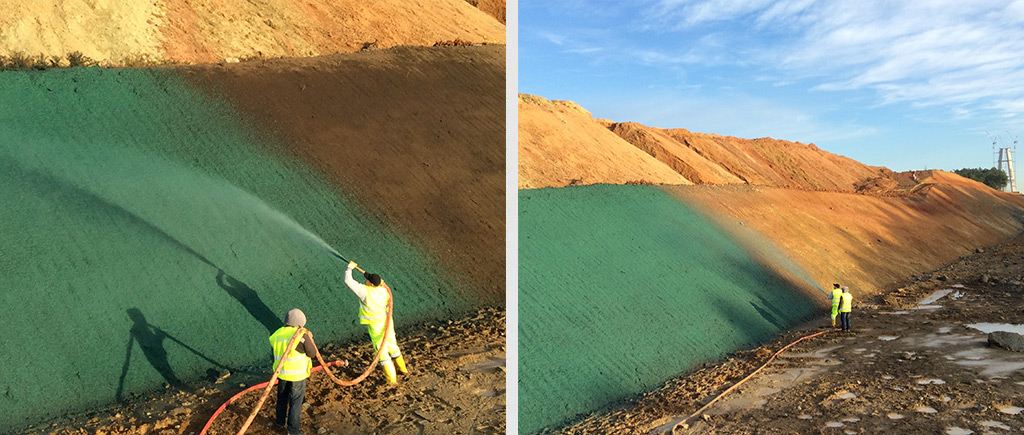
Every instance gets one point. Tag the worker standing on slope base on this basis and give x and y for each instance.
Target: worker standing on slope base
(845, 308)
(297, 365)
(373, 312)
(836, 296)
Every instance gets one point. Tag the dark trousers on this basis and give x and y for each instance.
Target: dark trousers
(844, 318)
(289, 403)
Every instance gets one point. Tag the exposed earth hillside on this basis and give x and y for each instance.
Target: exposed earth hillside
(133, 33)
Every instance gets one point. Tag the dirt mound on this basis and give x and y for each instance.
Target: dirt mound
(182, 31)
(558, 139)
(560, 144)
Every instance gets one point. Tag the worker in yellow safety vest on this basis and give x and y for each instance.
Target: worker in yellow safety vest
(373, 312)
(295, 369)
(845, 308)
(837, 294)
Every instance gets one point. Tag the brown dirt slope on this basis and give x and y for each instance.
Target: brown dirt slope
(561, 144)
(196, 31)
(867, 242)
(494, 8)
(439, 109)
(714, 159)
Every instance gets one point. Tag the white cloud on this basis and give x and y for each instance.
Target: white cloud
(920, 52)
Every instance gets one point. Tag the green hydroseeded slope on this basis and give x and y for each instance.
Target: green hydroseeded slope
(624, 287)
(148, 236)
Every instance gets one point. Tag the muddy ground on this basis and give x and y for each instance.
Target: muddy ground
(911, 364)
(456, 385)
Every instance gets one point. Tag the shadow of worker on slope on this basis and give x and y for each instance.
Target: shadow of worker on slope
(248, 298)
(151, 341)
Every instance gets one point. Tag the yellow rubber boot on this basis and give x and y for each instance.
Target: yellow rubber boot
(400, 362)
(833, 322)
(389, 372)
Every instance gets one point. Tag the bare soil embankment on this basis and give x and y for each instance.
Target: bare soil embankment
(415, 134)
(179, 31)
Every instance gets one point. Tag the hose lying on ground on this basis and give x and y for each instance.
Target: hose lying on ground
(705, 407)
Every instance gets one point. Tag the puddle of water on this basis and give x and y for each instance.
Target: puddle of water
(926, 410)
(834, 424)
(887, 338)
(847, 396)
(805, 417)
(945, 329)
(1012, 410)
(931, 381)
(887, 377)
(938, 294)
(851, 419)
(958, 431)
(959, 286)
(993, 327)
(995, 425)
(927, 307)
(958, 295)
(859, 350)
(894, 416)
(894, 312)
(993, 368)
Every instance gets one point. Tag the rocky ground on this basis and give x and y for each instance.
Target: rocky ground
(917, 361)
(456, 386)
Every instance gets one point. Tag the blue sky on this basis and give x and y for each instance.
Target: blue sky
(902, 84)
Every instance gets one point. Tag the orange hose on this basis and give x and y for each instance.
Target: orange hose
(705, 407)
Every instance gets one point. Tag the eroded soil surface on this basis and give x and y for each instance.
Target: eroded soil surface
(456, 385)
(917, 361)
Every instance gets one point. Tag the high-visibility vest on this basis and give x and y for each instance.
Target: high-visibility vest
(373, 310)
(837, 294)
(847, 303)
(297, 365)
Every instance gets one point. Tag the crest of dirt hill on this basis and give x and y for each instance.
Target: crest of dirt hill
(114, 32)
(561, 144)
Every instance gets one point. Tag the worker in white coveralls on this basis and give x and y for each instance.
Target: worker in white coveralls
(373, 312)
(295, 369)
(836, 297)
(845, 308)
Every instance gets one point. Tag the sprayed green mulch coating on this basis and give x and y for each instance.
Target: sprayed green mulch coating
(624, 287)
(147, 236)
